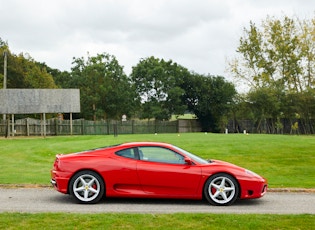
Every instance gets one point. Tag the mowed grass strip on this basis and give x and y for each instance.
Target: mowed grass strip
(285, 160)
(154, 221)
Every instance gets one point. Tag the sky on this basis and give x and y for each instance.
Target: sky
(201, 35)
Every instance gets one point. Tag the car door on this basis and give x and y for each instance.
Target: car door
(164, 172)
(121, 177)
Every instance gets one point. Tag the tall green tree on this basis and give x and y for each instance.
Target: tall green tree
(279, 55)
(23, 71)
(271, 56)
(61, 78)
(266, 105)
(307, 44)
(106, 91)
(210, 98)
(158, 83)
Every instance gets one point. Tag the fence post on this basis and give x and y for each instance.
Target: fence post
(71, 131)
(27, 127)
(7, 128)
(155, 126)
(56, 126)
(12, 124)
(44, 116)
(132, 126)
(115, 130)
(105, 127)
(108, 123)
(82, 126)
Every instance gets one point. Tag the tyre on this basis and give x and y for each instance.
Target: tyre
(221, 189)
(87, 187)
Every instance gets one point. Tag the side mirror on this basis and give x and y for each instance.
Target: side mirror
(188, 160)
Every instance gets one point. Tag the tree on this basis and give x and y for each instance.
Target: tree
(271, 56)
(210, 98)
(266, 106)
(158, 83)
(61, 78)
(3, 49)
(106, 91)
(23, 71)
(307, 43)
(35, 76)
(279, 59)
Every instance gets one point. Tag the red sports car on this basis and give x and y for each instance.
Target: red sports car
(152, 170)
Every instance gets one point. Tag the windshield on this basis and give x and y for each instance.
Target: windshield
(192, 156)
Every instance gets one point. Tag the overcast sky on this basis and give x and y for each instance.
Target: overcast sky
(197, 34)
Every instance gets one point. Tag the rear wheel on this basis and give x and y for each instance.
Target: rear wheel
(221, 189)
(87, 187)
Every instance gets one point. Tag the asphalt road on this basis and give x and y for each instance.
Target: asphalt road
(34, 200)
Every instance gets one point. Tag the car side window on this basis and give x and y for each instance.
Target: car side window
(127, 153)
(162, 155)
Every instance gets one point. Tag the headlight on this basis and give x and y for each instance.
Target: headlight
(251, 173)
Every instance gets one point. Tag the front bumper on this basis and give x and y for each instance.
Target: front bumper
(251, 189)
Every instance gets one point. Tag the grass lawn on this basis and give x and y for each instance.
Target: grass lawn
(154, 221)
(286, 161)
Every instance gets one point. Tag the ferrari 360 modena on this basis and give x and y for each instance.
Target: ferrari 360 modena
(152, 170)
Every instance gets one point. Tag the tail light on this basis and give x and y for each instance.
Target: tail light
(56, 163)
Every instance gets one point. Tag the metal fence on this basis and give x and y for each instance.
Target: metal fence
(270, 126)
(55, 127)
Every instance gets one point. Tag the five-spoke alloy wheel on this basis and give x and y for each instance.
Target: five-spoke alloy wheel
(221, 189)
(87, 187)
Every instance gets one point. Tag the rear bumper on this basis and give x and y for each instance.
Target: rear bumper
(60, 181)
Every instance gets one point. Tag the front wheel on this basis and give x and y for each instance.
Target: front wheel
(221, 189)
(87, 187)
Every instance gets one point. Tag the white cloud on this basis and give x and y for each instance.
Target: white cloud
(198, 34)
